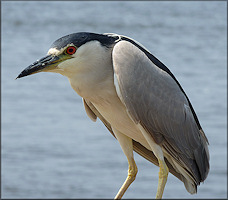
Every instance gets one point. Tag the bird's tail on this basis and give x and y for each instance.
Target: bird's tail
(191, 179)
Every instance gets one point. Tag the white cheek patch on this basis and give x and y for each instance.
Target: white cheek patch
(56, 52)
(53, 51)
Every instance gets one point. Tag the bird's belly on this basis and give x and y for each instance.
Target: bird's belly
(115, 113)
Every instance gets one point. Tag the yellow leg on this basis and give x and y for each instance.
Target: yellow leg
(132, 171)
(163, 175)
(127, 147)
(157, 150)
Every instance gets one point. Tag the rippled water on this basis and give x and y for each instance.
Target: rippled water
(51, 149)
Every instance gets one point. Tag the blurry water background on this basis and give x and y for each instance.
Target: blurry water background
(51, 149)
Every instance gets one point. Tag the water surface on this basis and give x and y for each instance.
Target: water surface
(51, 149)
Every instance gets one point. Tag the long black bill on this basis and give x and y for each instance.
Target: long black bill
(48, 62)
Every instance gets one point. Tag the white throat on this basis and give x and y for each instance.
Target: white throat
(90, 72)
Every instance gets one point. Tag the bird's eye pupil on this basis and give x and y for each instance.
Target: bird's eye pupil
(71, 50)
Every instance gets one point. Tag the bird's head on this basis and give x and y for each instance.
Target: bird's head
(72, 52)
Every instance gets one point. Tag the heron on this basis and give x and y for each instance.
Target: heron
(138, 99)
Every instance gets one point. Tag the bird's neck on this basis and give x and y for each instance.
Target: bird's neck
(96, 84)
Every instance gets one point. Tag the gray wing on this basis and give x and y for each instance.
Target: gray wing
(155, 99)
(93, 113)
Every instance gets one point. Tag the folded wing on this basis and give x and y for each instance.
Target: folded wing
(155, 99)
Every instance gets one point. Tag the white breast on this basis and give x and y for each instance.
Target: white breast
(91, 75)
(115, 113)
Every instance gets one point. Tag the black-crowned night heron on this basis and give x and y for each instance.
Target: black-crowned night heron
(138, 99)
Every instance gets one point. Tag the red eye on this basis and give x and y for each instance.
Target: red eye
(71, 50)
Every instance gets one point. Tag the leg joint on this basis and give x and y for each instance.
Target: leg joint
(132, 171)
(164, 170)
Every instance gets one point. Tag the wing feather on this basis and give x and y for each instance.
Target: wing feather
(89, 112)
(155, 99)
(138, 148)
